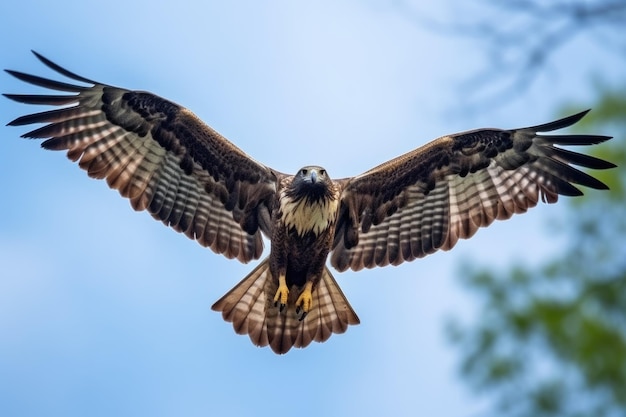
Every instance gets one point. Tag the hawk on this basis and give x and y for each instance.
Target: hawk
(165, 160)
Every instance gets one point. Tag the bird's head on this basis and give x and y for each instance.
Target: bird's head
(311, 182)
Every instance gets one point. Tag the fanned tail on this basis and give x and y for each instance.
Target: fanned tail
(250, 307)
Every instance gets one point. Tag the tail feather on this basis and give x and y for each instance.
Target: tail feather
(250, 307)
(244, 305)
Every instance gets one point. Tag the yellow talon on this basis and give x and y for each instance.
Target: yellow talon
(305, 301)
(282, 293)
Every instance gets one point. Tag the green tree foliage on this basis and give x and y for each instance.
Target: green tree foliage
(551, 341)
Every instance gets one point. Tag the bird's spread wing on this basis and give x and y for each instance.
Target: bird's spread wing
(429, 198)
(160, 156)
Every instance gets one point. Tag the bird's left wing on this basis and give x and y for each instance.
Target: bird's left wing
(429, 198)
(160, 156)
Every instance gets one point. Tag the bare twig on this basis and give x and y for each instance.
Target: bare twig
(521, 36)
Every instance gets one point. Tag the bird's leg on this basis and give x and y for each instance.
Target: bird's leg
(305, 301)
(282, 293)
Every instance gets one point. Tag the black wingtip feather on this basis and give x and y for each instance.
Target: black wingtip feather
(575, 140)
(54, 100)
(42, 117)
(559, 124)
(46, 83)
(580, 159)
(62, 70)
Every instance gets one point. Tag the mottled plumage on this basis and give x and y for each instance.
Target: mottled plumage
(166, 161)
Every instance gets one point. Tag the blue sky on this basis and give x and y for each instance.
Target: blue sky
(104, 311)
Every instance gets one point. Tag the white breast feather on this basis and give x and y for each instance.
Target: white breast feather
(303, 217)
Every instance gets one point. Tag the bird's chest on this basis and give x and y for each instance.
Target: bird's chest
(302, 217)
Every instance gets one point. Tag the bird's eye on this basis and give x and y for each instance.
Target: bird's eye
(304, 171)
(322, 172)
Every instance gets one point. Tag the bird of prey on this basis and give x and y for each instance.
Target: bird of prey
(165, 160)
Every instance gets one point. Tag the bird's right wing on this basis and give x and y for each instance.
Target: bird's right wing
(160, 156)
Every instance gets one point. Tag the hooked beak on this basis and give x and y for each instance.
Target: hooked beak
(313, 176)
